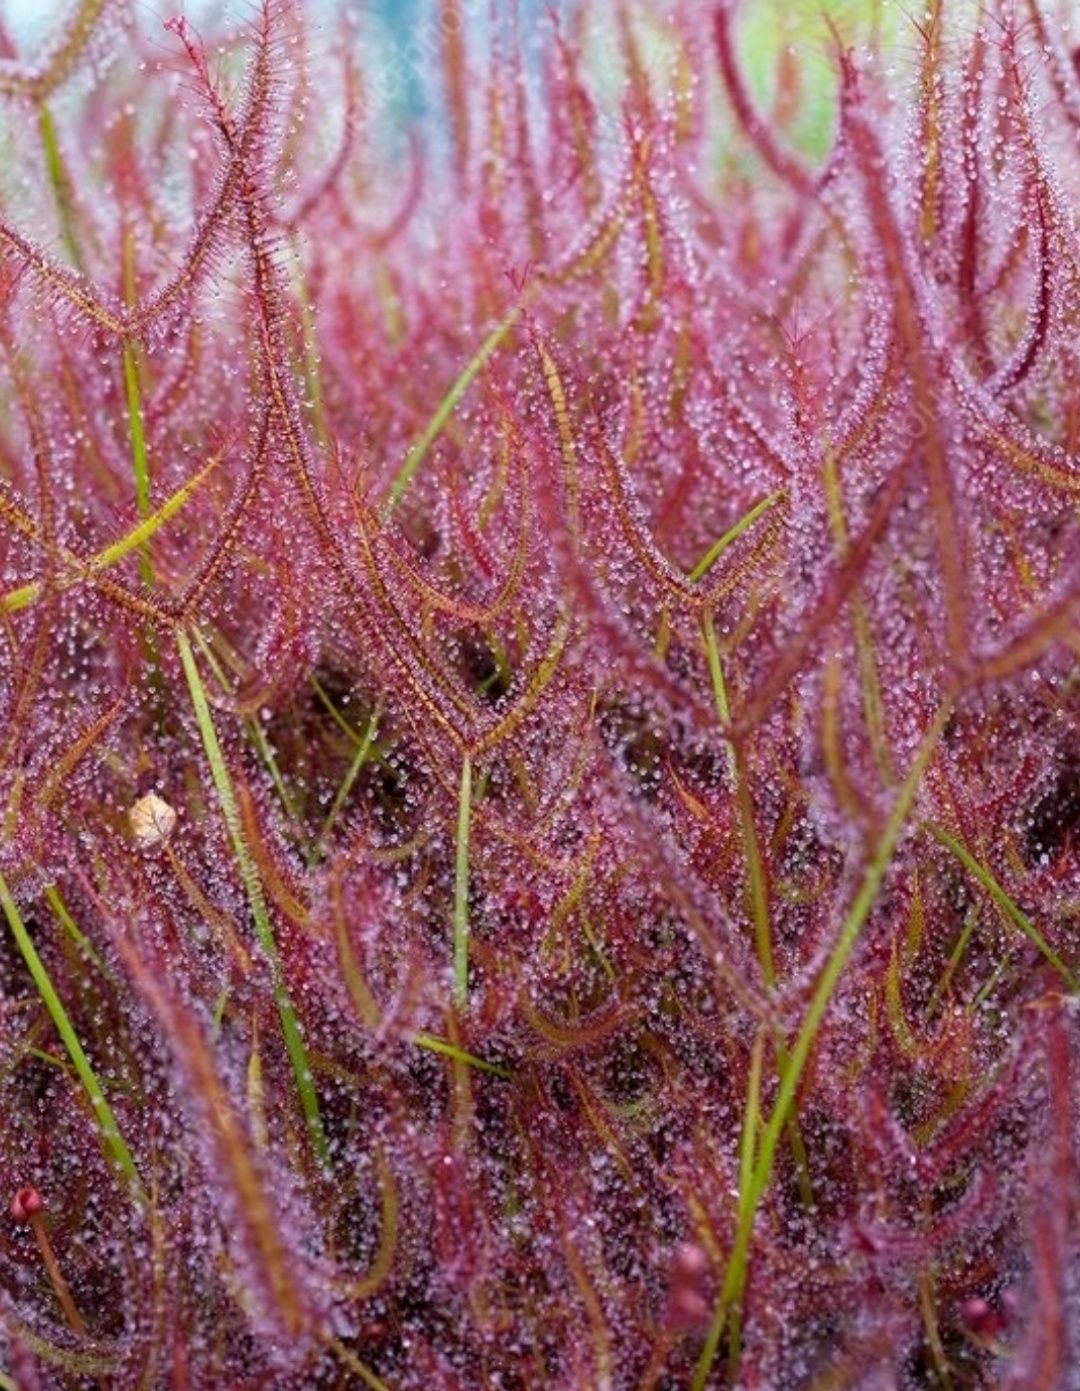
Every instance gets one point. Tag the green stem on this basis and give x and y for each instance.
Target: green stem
(719, 685)
(747, 1149)
(955, 957)
(290, 1025)
(140, 467)
(81, 570)
(757, 891)
(361, 1369)
(255, 729)
(459, 1055)
(61, 185)
(735, 1277)
(461, 889)
(139, 461)
(1005, 904)
(360, 757)
(68, 923)
(717, 549)
(110, 1130)
(757, 888)
(140, 464)
(418, 452)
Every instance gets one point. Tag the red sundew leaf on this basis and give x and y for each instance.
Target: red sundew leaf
(572, 104)
(835, 596)
(1023, 649)
(787, 166)
(1053, 210)
(85, 301)
(1010, 439)
(1011, 374)
(1063, 70)
(1046, 1347)
(80, 748)
(456, 70)
(243, 1196)
(381, 541)
(910, 321)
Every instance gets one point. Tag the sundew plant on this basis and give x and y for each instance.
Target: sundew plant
(539, 708)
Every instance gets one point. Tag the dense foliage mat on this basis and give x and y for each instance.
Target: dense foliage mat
(539, 722)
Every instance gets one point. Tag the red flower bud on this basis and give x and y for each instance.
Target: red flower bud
(26, 1204)
(983, 1319)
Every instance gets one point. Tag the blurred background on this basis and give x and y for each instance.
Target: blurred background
(400, 45)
